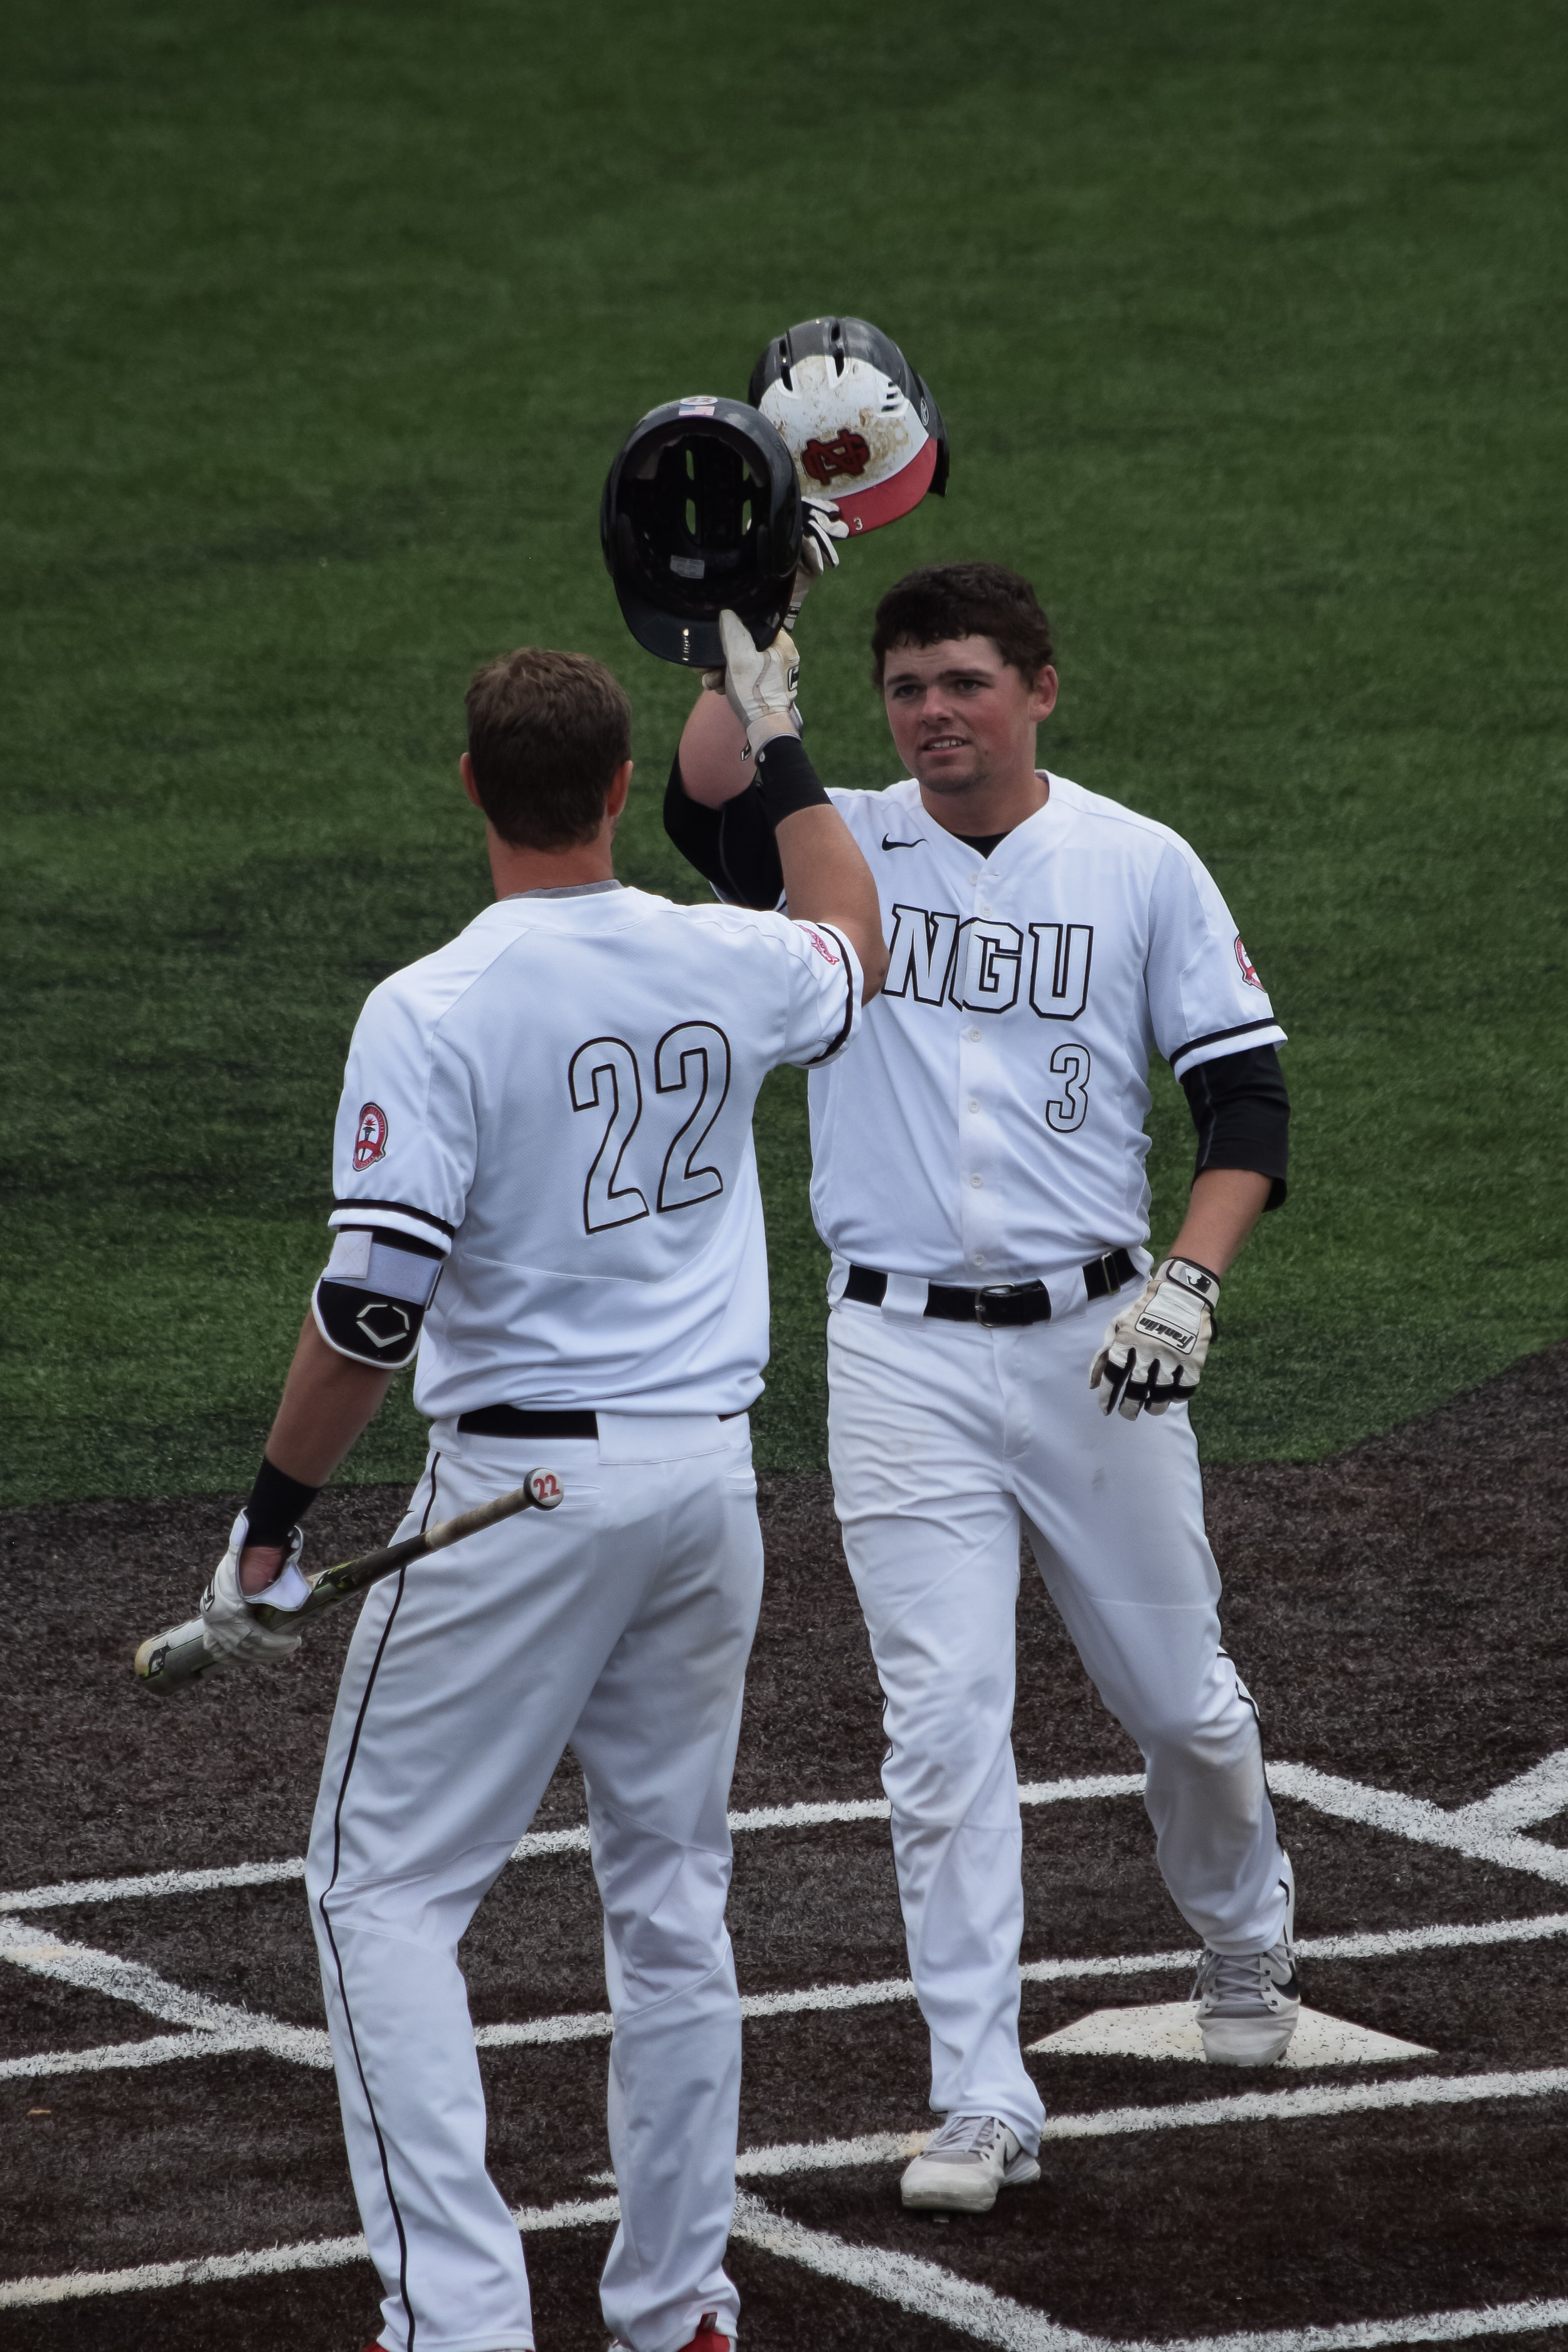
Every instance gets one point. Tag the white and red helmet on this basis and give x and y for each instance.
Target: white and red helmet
(861, 426)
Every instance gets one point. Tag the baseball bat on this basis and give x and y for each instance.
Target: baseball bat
(170, 1660)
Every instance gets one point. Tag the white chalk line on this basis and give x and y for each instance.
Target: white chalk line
(217, 2026)
(1307, 2105)
(1487, 1829)
(158, 1882)
(905, 2280)
(925, 2287)
(534, 1847)
(1478, 1833)
(157, 2050)
(909, 2282)
(1365, 2335)
(222, 2030)
(1387, 1943)
(311, 2254)
(1534, 1796)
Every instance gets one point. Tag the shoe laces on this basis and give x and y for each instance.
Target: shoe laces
(965, 2136)
(1231, 1982)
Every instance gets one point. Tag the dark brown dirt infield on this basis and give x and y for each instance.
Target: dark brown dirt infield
(1398, 1613)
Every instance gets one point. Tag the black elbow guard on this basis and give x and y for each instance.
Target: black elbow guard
(371, 1299)
(733, 847)
(1242, 1114)
(694, 830)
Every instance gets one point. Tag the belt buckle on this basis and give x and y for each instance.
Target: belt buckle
(998, 1290)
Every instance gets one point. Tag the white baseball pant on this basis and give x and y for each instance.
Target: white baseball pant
(620, 1625)
(941, 1436)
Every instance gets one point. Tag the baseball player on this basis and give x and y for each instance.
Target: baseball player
(979, 1179)
(545, 1185)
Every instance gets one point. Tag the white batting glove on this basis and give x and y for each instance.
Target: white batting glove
(818, 554)
(822, 525)
(1153, 1353)
(227, 1622)
(759, 687)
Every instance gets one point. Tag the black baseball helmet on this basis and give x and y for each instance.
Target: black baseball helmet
(862, 428)
(701, 510)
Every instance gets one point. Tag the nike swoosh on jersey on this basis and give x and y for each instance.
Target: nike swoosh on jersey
(889, 843)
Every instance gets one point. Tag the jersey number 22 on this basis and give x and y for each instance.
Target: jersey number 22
(692, 1059)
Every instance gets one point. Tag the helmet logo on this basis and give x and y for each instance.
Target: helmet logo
(847, 453)
(370, 1137)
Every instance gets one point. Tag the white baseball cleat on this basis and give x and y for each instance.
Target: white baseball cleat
(963, 2164)
(1247, 2002)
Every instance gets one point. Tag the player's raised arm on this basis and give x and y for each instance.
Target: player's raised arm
(714, 764)
(711, 814)
(715, 757)
(825, 879)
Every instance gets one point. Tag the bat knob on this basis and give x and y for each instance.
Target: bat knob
(168, 1661)
(543, 1489)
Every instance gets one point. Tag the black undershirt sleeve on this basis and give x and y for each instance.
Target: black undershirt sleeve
(733, 846)
(1242, 1114)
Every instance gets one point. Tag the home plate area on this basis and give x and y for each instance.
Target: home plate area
(1168, 2029)
(175, 2175)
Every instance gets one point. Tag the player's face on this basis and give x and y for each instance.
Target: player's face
(961, 716)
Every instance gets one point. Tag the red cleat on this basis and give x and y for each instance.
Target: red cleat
(708, 2337)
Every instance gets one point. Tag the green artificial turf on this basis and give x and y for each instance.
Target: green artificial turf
(319, 325)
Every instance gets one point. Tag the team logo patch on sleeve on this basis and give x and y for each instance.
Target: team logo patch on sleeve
(369, 1136)
(820, 944)
(1248, 969)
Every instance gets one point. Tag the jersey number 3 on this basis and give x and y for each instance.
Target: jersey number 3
(691, 1059)
(1069, 1110)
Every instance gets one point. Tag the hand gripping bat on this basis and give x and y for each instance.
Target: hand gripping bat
(169, 1661)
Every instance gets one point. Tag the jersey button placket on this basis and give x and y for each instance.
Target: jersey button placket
(976, 1208)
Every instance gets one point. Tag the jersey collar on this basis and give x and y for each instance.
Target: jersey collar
(563, 890)
(998, 856)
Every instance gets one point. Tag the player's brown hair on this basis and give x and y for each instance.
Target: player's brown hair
(546, 733)
(965, 600)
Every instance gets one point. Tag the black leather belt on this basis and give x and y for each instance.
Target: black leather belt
(514, 1421)
(522, 1421)
(999, 1304)
(1103, 1275)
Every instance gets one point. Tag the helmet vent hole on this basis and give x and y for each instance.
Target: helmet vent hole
(690, 467)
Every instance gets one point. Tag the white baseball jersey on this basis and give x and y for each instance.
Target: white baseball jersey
(990, 1126)
(561, 1100)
